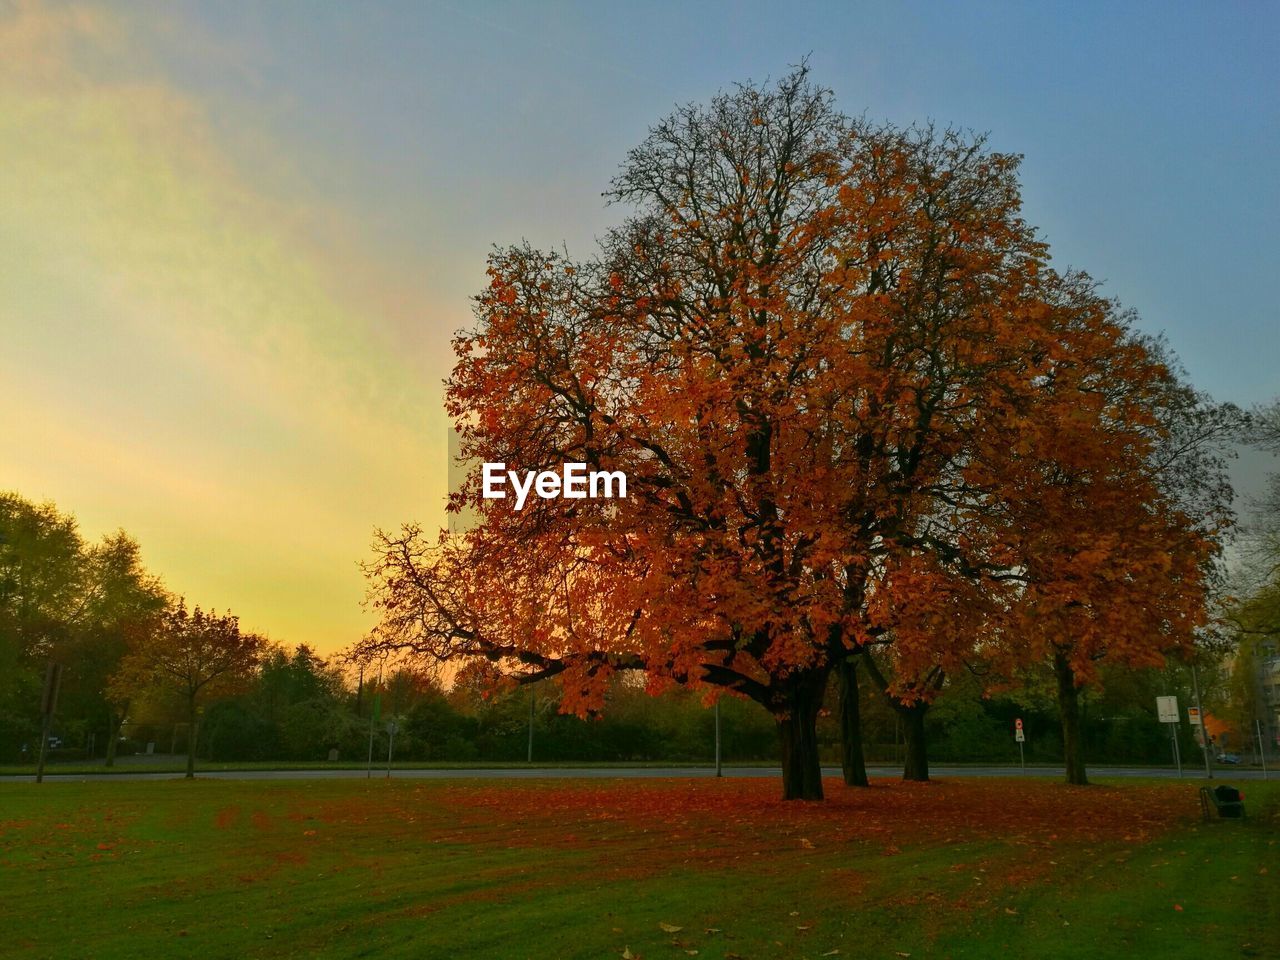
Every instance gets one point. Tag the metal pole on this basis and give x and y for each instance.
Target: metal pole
(1262, 747)
(1022, 756)
(373, 715)
(1204, 730)
(1177, 756)
(48, 704)
(44, 742)
(719, 771)
(391, 742)
(529, 758)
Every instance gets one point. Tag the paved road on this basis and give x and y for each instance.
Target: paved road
(527, 773)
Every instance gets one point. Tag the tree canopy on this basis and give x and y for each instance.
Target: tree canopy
(857, 409)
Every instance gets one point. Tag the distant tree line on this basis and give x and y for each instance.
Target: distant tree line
(140, 667)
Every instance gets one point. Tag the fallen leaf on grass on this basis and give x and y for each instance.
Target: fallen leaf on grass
(669, 928)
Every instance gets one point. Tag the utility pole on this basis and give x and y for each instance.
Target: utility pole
(48, 703)
(1177, 754)
(392, 726)
(374, 716)
(1204, 730)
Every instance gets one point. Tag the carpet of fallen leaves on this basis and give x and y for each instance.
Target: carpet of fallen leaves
(680, 819)
(1007, 833)
(893, 814)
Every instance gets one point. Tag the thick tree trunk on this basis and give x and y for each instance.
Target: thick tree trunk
(798, 736)
(916, 766)
(851, 758)
(1069, 709)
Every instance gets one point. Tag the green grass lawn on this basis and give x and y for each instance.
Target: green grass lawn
(651, 868)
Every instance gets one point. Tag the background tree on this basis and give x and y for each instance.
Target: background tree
(66, 600)
(1254, 617)
(195, 656)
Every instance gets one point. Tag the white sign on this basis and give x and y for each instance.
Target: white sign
(1019, 736)
(1193, 715)
(1167, 709)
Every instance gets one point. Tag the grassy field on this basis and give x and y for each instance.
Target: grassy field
(652, 869)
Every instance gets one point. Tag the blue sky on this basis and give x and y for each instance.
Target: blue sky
(1151, 132)
(239, 236)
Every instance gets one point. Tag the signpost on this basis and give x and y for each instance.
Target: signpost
(1167, 711)
(1021, 737)
(1199, 718)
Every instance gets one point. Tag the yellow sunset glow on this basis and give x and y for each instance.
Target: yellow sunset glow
(179, 358)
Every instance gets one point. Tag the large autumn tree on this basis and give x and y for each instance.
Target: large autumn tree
(818, 349)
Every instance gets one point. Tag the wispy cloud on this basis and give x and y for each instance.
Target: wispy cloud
(177, 356)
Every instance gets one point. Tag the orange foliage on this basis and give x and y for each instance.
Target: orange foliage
(854, 404)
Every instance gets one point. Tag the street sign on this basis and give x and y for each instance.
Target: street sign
(1019, 736)
(1193, 716)
(393, 727)
(1167, 709)
(1017, 724)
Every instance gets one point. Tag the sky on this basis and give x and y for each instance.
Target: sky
(236, 238)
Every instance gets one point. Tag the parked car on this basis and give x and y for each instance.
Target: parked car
(1228, 758)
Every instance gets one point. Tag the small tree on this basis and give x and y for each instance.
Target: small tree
(194, 655)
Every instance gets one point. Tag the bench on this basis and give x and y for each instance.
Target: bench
(1227, 802)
